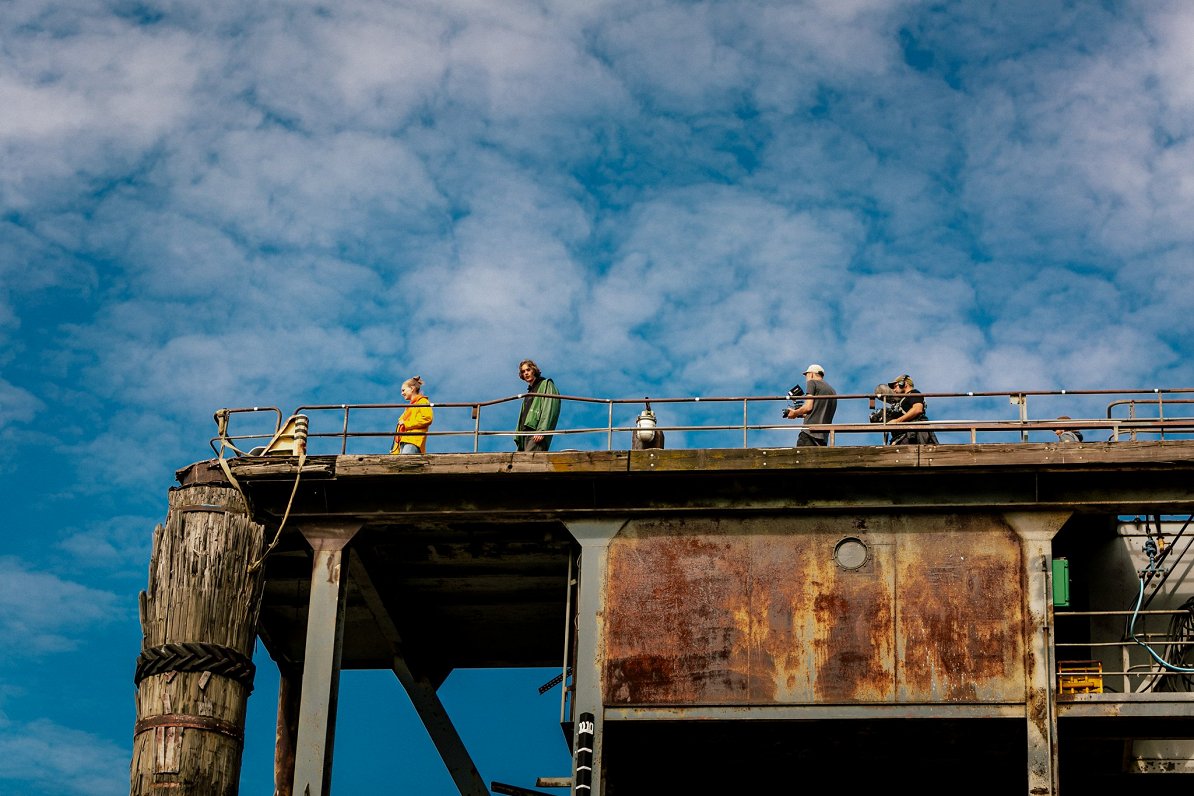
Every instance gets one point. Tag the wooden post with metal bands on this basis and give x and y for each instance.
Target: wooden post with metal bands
(199, 620)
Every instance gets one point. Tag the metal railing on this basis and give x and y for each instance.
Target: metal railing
(730, 415)
(1136, 674)
(1159, 402)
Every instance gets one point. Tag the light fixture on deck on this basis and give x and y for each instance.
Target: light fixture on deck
(646, 435)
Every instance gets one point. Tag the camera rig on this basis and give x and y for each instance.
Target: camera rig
(891, 404)
(794, 394)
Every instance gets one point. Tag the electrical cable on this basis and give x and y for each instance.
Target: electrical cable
(1181, 631)
(1150, 549)
(1165, 553)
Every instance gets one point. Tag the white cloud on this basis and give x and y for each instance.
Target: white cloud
(282, 188)
(86, 95)
(115, 80)
(386, 61)
(1076, 154)
(916, 323)
(193, 372)
(659, 49)
(1171, 26)
(41, 612)
(113, 544)
(17, 405)
(712, 289)
(42, 757)
(525, 67)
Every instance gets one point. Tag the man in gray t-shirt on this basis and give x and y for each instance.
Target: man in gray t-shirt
(814, 411)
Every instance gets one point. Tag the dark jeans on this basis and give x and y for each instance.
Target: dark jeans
(807, 438)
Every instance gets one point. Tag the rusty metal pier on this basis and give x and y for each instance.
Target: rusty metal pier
(731, 620)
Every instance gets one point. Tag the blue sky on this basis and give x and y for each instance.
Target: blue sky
(227, 204)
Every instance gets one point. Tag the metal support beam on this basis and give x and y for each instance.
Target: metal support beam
(594, 537)
(286, 740)
(421, 690)
(321, 661)
(1036, 531)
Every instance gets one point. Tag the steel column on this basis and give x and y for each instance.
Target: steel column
(321, 660)
(587, 698)
(1036, 531)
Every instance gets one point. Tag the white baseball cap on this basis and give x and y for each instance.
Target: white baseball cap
(814, 368)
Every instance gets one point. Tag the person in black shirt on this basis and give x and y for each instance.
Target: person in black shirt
(912, 406)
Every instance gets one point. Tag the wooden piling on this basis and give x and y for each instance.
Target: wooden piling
(199, 624)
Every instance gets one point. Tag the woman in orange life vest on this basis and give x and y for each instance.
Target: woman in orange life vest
(411, 434)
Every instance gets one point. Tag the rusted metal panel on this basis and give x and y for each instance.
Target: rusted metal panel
(676, 606)
(820, 633)
(759, 611)
(960, 609)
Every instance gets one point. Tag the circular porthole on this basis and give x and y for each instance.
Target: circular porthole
(851, 553)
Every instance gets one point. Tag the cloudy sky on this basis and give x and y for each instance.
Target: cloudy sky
(210, 204)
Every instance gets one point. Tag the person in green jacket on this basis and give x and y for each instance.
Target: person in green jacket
(538, 412)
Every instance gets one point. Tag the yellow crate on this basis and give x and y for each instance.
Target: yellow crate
(1079, 677)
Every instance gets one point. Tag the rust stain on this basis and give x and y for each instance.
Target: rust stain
(854, 648)
(1038, 707)
(670, 627)
(332, 565)
(960, 612)
(757, 612)
(828, 632)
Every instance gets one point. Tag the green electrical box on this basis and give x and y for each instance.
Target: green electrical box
(1061, 583)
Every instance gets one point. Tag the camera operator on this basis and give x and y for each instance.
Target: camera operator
(814, 412)
(911, 407)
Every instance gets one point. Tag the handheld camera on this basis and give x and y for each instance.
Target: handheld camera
(890, 409)
(794, 395)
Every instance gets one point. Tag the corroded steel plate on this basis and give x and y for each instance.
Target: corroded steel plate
(761, 611)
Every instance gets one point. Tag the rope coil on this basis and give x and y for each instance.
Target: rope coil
(195, 656)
